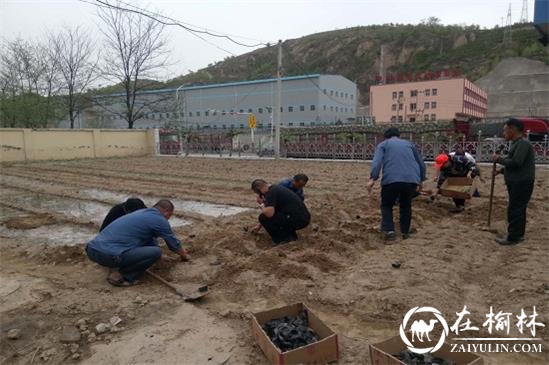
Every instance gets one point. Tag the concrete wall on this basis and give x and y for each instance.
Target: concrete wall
(66, 144)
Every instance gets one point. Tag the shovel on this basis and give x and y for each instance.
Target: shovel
(191, 296)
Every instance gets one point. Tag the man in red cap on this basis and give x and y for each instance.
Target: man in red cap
(455, 164)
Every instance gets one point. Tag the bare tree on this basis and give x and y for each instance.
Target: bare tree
(74, 54)
(135, 50)
(28, 84)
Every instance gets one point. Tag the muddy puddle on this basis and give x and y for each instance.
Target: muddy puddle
(207, 209)
(82, 210)
(54, 235)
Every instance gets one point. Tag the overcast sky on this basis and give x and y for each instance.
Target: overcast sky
(261, 20)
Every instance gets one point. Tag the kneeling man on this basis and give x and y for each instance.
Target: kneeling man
(282, 211)
(129, 243)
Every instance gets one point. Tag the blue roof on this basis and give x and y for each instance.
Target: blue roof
(227, 84)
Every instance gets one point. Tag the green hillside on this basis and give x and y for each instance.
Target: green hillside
(355, 54)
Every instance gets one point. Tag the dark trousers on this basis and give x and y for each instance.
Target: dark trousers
(131, 264)
(459, 202)
(519, 196)
(389, 194)
(282, 227)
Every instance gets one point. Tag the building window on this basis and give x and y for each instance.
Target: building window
(331, 108)
(331, 93)
(337, 93)
(426, 117)
(291, 124)
(400, 106)
(413, 106)
(426, 105)
(214, 112)
(393, 119)
(433, 117)
(401, 94)
(302, 124)
(427, 92)
(351, 110)
(394, 94)
(290, 109)
(435, 92)
(241, 110)
(224, 126)
(190, 114)
(206, 113)
(197, 114)
(413, 92)
(312, 107)
(215, 126)
(302, 108)
(223, 112)
(345, 110)
(242, 126)
(324, 91)
(324, 108)
(337, 109)
(281, 109)
(269, 109)
(250, 110)
(433, 105)
(400, 118)
(260, 110)
(346, 95)
(352, 96)
(232, 111)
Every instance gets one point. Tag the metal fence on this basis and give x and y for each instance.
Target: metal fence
(333, 148)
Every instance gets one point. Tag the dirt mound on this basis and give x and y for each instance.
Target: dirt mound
(29, 221)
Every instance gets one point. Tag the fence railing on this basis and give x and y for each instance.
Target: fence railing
(353, 150)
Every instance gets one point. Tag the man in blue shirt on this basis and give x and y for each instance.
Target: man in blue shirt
(403, 175)
(129, 243)
(296, 184)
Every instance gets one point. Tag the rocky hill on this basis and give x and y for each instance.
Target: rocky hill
(355, 53)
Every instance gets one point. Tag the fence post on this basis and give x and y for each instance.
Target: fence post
(307, 145)
(365, 143)
(353, 152)
(259, 152)
(334, 146)
(238, 147)
(479, 147)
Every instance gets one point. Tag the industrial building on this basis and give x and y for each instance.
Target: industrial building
(306, 101)
(430, 100)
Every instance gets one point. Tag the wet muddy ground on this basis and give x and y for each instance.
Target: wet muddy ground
(340, 266)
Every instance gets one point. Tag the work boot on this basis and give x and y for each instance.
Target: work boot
(506, 241)
(389, 236)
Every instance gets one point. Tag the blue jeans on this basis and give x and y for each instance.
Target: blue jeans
(131, 264)
(389, 194)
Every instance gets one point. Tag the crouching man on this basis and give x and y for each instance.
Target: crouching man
(129, 246)
(282, 211)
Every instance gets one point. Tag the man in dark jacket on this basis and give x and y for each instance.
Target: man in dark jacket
(119, 210)
(282, 211)
(519, 170)
(403, 173)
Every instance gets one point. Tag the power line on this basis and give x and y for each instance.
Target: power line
(165, 20)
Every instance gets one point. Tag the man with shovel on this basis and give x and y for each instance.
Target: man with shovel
(519, 170)
(129, 244)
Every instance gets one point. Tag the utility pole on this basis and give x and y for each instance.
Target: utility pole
(278, 100)
(507, 33)
(524, 14)
(382, 65)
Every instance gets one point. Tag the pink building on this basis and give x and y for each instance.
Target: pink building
(430, 100)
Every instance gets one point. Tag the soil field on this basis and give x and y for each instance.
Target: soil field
(340, 266)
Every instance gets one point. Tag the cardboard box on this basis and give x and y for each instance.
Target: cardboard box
(321, 352)
(459, 187)
(382, 353)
